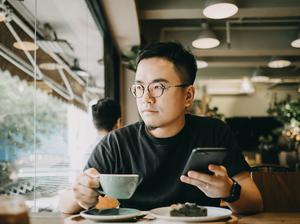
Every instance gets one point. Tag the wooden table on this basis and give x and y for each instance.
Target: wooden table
(261, 218)
(271, 218)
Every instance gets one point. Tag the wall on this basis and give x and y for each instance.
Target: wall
(129, 109)
(232, 106)
(249, 105)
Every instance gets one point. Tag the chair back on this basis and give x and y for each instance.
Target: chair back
(280, 190)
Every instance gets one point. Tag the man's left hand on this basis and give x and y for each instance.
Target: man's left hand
(217, 185)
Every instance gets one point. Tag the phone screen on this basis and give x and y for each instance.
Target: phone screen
(200, 158)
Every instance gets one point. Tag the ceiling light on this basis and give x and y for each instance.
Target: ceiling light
(296, 43)
(276, 62)
(220, 9)
(259, 76)
(206, 39)
(201, 64)
(25, 45)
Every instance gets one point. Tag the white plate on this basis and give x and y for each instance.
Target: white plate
(213, 213)
(124, 213)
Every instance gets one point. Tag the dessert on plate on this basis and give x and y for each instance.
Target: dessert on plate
(188, 210)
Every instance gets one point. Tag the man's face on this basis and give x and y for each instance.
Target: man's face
(169, 108)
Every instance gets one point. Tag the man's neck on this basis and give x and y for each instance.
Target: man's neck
(102, 132)
(169, 130)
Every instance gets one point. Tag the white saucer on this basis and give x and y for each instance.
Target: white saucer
(123, 214)
(213, 213)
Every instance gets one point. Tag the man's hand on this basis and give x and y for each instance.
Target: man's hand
(84, 188)
(217, 185)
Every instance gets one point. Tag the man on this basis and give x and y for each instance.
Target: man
(106, 115)
(157, 148)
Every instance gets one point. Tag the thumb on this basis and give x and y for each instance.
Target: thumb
(92, 172)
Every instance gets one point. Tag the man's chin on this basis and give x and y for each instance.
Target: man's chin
(150, 124)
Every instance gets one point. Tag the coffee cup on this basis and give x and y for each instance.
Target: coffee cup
(13, 210)
(120, 186)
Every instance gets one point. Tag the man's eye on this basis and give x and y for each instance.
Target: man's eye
(138, 87)
(158, 86)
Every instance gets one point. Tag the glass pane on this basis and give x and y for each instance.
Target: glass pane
(45, 124)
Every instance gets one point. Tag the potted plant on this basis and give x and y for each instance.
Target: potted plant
(287, 112)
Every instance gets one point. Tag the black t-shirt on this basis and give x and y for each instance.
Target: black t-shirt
(160, 161)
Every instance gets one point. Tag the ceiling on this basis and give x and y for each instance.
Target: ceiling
(76, 27)
(260, 30)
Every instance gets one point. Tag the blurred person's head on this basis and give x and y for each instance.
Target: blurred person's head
(163, 86)
(106, 115)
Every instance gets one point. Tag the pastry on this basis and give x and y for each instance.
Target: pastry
(187, 209)
(107, 202)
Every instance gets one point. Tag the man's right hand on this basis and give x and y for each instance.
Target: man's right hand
(84, 188)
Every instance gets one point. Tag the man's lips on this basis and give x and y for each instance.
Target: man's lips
(149, 111)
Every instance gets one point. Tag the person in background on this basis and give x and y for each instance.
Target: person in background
(106, 115)
(158, 147)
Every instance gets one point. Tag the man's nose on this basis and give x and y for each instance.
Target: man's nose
(147, 98)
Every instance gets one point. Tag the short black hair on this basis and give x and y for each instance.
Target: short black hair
(106, 113)
(174, 52)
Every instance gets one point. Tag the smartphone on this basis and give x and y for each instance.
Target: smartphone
(200, 158)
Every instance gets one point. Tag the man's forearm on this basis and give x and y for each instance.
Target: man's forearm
(67, 202)
(250, 198)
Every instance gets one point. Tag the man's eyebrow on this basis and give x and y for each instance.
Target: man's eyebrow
(153, 81)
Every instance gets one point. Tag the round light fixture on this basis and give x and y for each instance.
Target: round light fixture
(201, 64)
(206, 39)
(25, 45)
(220, 9)
(296, 43)
(279, 63)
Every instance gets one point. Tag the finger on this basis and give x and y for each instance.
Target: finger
(87, 181)
(86, 204)
(88, 201)
(85, 191)
(201, 176)
(92, 172)
(218, 170)
(202, 185)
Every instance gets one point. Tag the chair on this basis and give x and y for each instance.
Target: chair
(280, 190)
(270, 168)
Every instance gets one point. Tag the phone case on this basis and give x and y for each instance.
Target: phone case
(200, 158)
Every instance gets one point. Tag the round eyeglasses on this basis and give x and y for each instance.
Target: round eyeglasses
(155, 89)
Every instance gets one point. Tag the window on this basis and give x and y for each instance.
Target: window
(45, 123)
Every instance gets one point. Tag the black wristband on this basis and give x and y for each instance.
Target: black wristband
(235, 192)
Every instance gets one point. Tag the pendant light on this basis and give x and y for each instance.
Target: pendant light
(220, 9)
(296, 43)
(206, 39)
(278, 62)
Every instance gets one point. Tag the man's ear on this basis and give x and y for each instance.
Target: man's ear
(118, 124)
(190, 94)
